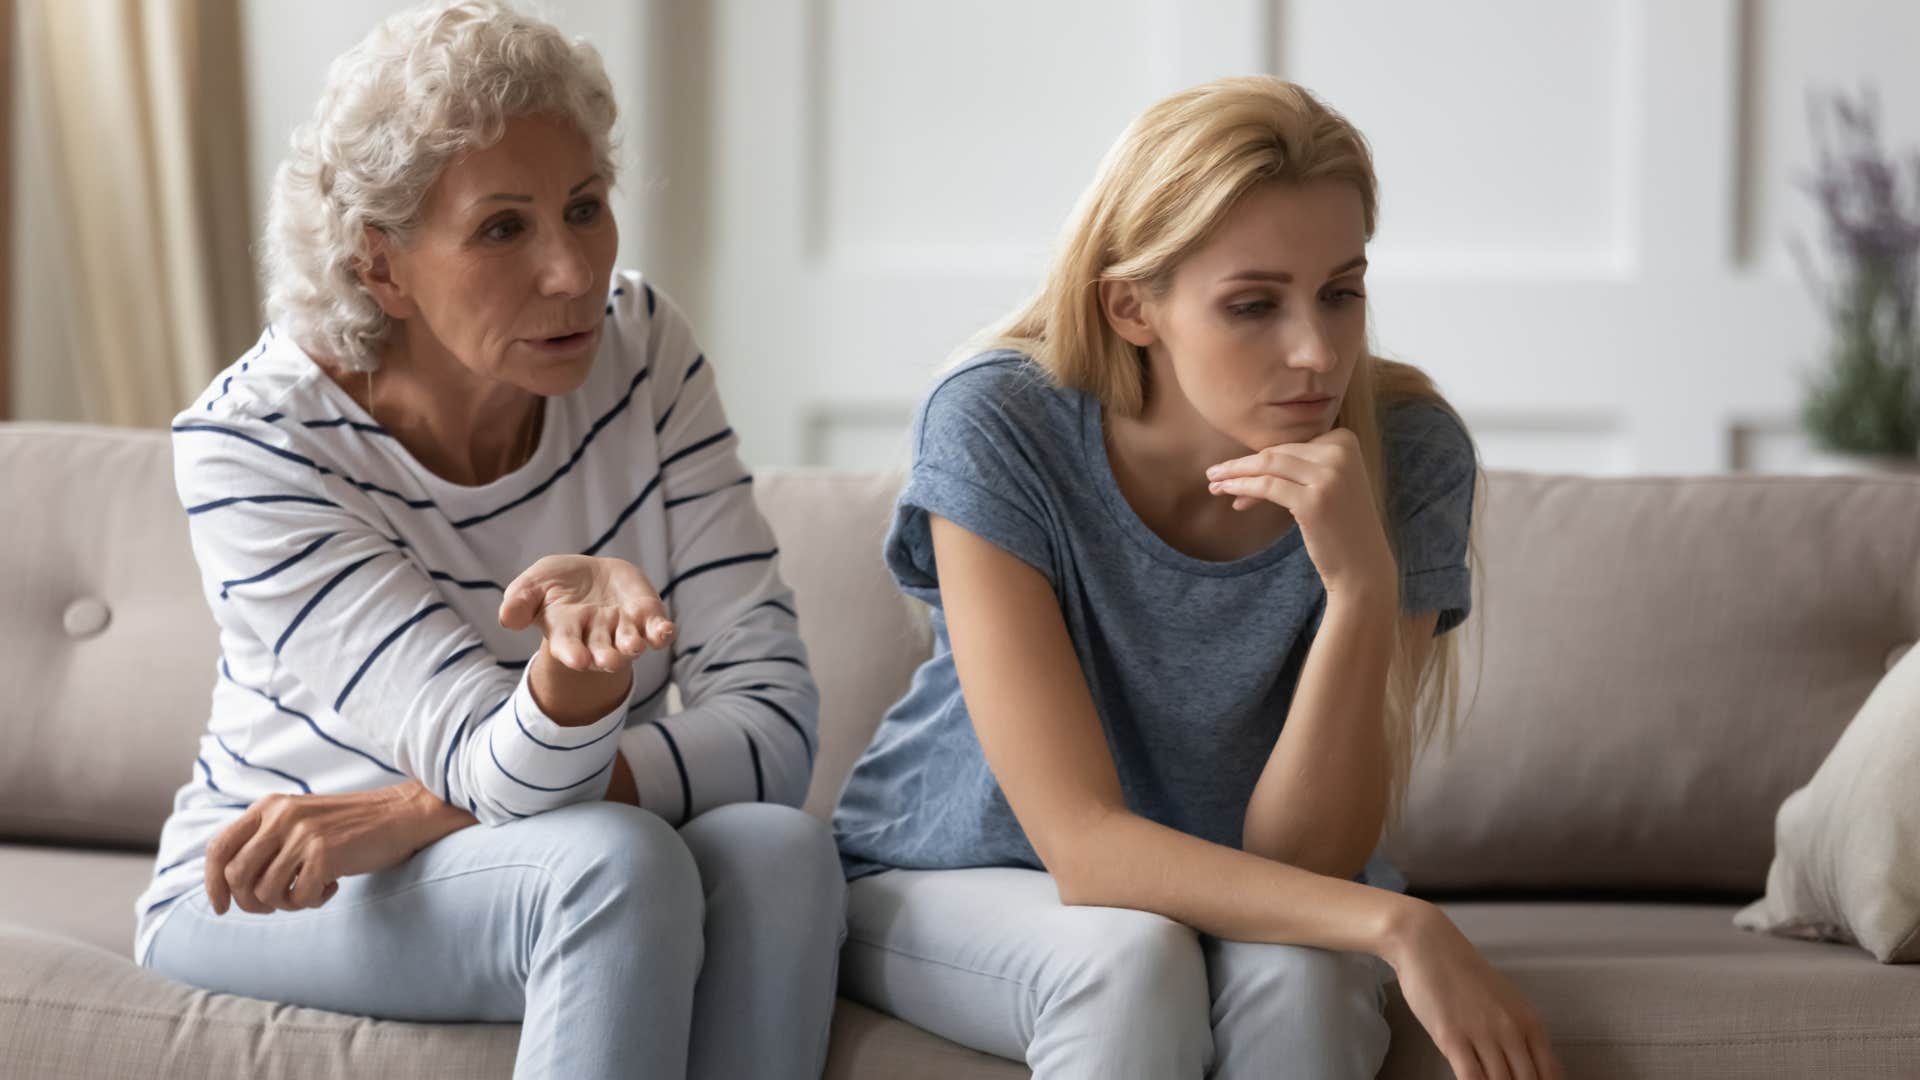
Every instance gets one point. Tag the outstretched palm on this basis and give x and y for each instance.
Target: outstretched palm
(596, 614)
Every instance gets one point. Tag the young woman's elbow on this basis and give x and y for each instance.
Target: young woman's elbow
(1080, 860)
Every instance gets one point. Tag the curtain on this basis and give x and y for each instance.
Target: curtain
(141, 114)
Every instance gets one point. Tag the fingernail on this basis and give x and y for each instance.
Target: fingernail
(1214, 473)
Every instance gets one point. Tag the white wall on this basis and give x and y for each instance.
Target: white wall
(1585, 206)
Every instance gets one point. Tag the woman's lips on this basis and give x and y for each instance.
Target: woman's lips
(561, 346)
(1296, 409)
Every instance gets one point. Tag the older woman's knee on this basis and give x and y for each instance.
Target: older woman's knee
(612, 857)
(755, 846)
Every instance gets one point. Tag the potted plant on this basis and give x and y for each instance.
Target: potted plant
(1863, 407)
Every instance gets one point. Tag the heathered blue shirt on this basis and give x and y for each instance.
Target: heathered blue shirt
(1191, 664)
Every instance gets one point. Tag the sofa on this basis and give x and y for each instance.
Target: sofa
(1652, 666)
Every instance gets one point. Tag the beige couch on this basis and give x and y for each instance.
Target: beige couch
(1662, 661)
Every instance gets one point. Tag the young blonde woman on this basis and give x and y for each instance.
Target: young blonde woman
(1190, 552)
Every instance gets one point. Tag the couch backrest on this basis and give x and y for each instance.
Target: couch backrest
(1659, 662)
(108, 649)
(864, 637)
(109, 652)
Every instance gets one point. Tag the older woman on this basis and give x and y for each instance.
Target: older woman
(464, 513)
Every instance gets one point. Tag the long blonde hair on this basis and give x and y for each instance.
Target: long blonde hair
(1161, 192)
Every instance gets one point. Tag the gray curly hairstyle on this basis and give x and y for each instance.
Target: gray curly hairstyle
(426, 86)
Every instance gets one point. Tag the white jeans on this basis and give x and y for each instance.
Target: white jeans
(623, 947)
(991, 959)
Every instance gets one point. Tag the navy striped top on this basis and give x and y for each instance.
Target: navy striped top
(357, 596)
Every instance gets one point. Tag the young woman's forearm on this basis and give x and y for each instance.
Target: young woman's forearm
(1124, 860)
(1322, 798)
(576, 698)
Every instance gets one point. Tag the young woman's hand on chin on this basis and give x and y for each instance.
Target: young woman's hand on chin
(1323, 483)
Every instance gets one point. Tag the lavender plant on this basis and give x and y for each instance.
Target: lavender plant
(1867, 399)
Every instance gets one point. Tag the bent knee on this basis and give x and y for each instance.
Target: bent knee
(753, 844)
(1125, 954)
(1305, 978)
(612, 853)
(1331, 973)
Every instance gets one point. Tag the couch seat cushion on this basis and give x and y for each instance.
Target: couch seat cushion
(73, 1005)
(1627, 989)
(1675, 990)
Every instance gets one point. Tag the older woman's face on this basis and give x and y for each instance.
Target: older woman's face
(509, 266)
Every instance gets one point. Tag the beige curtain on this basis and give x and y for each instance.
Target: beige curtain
(8, 103)
(142, 115)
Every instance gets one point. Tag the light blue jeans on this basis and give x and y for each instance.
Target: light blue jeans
(623, 948)
(991, 959)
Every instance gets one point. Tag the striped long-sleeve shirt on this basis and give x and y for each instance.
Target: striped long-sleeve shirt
(357, 597)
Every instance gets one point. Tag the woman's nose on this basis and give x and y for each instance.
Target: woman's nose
(1308, 346)
(564, 270)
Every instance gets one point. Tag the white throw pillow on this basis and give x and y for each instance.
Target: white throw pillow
(1846, 858)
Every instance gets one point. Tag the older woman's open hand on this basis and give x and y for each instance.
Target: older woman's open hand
(597, 614)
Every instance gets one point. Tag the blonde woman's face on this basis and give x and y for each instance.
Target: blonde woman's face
(1272, 309)
(509, 267)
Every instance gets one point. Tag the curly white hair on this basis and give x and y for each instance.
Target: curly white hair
(425, 86)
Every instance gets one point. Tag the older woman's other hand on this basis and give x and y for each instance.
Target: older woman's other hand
(597, 614)
(288, 852)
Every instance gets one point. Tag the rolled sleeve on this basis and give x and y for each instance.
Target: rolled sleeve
(1433, 474)
(538, 765)
(972, 466)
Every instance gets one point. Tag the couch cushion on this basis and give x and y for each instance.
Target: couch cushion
(75, 894)
(1660, 661)
(1846, 863)
(864, 639)
(1663, 661)
(1643, 990)
(105, 715)
(1670, 991)
(109, 649)
(69, 1010)
(72, 1004)
(1639, 712)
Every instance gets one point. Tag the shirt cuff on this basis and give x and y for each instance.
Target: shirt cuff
(548, 764)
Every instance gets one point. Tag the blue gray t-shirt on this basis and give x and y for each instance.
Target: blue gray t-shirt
(1192, 664)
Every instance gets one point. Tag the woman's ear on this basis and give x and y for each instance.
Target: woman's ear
(376, 273)
(1123, 305)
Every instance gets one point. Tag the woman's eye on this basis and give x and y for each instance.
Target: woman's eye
(1342, 296)
(501, 230)
(1250, 308)
(581, 213)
